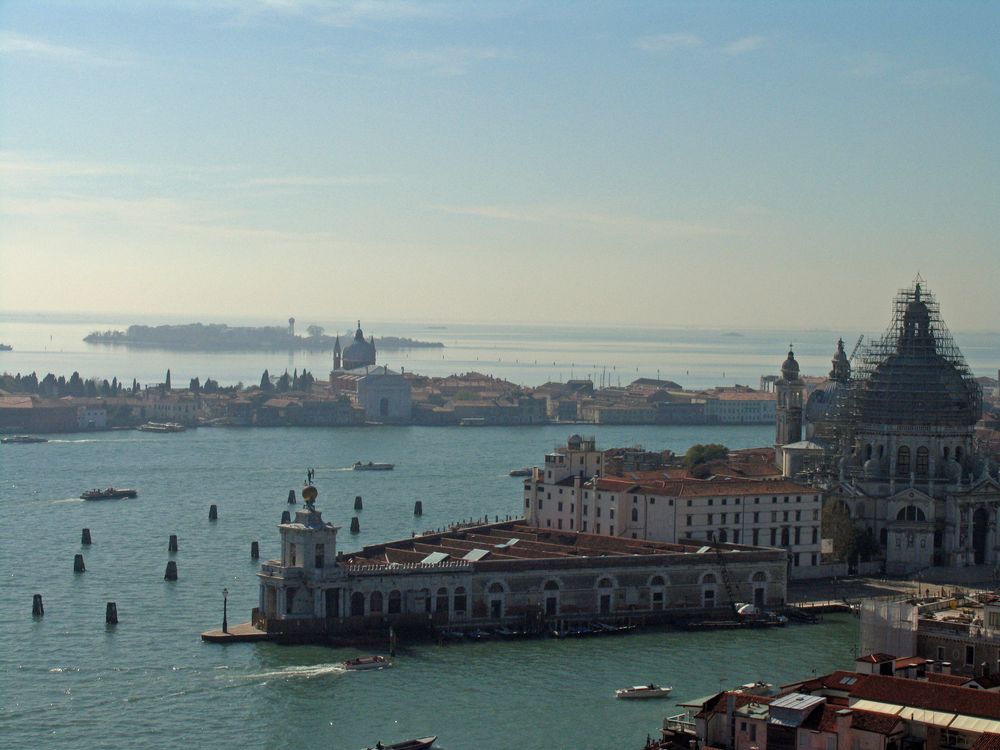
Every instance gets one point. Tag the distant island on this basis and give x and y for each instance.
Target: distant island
(221, 337)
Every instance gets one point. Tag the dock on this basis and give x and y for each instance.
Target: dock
(243, 633)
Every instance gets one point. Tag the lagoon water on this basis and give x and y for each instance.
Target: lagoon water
(528, 355)
(71, 682)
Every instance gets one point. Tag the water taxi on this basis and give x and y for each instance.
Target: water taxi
(422, 743)
(358, 466)
(23, 439)
(651, 690)
(108, 494)
(368, 662)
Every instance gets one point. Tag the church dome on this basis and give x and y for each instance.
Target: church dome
(359, 353)
(918, 379)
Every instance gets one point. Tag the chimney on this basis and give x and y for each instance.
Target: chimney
(946, 667)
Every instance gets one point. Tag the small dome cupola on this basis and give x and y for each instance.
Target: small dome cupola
(790, 368)
(841, 371)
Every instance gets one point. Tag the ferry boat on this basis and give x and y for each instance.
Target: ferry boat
(6, 348)
(162, 427)
(110, 493)
(422, 743)
(525, 472)
(23, 439)
(358, 466)
(651, 690)
(367, 662)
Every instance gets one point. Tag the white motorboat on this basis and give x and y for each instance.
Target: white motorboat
(651, 690)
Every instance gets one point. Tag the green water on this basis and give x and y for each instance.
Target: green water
(70, 682)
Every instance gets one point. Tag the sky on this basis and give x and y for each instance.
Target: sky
(718, 164)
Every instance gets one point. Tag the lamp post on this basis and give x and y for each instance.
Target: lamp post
(225, 601)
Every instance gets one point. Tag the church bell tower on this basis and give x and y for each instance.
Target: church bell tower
(788, 412)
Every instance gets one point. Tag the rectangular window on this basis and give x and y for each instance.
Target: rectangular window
(774, 537)
(527, 502)
(559, 523)
(970, 655)
(736, 517)
(709, 518)
(774, 516)
(689, 520)
(585, 510)
(539, 503)
(798, 515)
(559, 508)
(709, 501)
(598, 528)
(689, 503)
(756, 516)
(571, 524)
(723, 518)
(611, 531)
(753, 732)
(291, 555)
(548, 522)
(611, 513)
(784, 515)
(584, 524)
(320, 554)
(756, 537)
(736, 536)
(724, 501)
(572, 507)
(597, 511)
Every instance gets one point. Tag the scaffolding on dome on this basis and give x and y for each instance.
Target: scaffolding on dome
(914, 375)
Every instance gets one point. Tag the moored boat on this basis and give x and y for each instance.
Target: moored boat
(368, 662)
(14, 439)
(370, 466)
(110, 493)
(421, 743)
(651, 690)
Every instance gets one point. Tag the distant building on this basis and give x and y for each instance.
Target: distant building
(359, 353)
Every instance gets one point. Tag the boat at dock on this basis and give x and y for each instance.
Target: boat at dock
(161, 427)
(421, 743)
(370, 466)
(642, 692)
(368, 662)
(111, 493)
(16, 439)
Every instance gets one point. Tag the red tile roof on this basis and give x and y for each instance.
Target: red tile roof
(933, 696)
(986, 741)
(871, 721)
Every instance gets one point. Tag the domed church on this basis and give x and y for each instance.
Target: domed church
(896, 438)
(359, 353)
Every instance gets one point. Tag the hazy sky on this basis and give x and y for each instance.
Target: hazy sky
(663, 163)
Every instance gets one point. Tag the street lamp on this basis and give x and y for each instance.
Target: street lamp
(225, 600)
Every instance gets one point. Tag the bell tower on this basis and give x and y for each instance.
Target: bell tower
(788, 411)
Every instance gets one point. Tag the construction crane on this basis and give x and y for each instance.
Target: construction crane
(856, 347)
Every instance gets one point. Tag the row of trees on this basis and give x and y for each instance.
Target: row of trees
(51, 386)
(286, 382)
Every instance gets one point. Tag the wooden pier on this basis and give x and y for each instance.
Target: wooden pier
(243, 633)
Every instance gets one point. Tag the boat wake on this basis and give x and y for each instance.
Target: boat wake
(66, 500)
(300, 672)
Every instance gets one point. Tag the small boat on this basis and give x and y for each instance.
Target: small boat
(506, 632)
(162, 427)
(108, 494)
(6, 348)
(13, 439)
(368, 662)
(525, 472)
(417, 744)
(651, 690)
(358, 466)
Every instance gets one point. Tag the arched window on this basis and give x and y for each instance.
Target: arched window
(723, 536)
(923, 461)
(958, 453)
(759, 577)
(441, 605)
(945, 453)
(425, 595)
(357, 604)
(656, 586)
(496, 599)
(459, 600)
(910, 513)
(551, 598)
(708, 578)
(635, 515)
(868, 451)
(395, 602)
(903, 461)
(375, 605)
